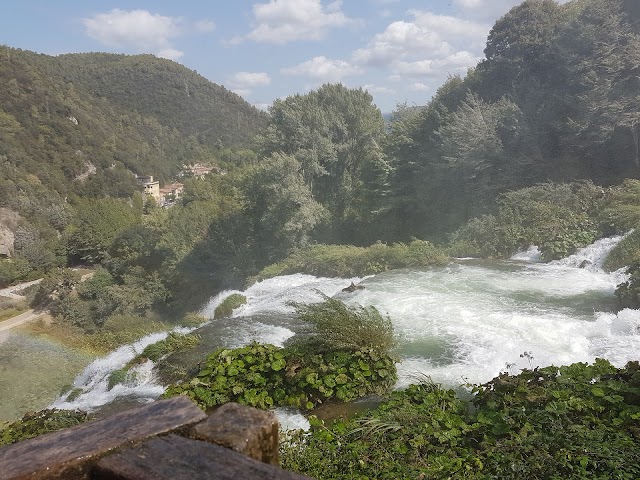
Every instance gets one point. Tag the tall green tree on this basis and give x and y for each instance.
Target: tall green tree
(95, 225)
(334, 133)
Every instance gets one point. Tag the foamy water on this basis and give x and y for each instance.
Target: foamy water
(464, 322)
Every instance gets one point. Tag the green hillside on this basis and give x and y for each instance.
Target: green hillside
(60, 139)
(172, 94)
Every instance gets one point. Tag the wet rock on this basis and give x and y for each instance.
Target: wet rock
(352, 288)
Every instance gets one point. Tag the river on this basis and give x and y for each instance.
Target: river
(463, 322)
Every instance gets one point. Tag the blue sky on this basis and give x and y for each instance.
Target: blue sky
(399, 50)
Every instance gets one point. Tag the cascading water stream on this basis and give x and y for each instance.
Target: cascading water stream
(463, 322)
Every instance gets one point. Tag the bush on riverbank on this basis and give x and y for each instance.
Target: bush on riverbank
(344, 358)
(558, 218)
(348, 261)
(578, 421)
(265, 376)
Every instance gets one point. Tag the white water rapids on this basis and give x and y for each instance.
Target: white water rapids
(464, 322)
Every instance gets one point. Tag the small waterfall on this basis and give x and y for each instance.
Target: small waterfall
(593, 256)
(532, 254)
(91, 388)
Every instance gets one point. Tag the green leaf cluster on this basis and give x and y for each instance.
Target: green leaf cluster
(266, 376)
(573, 422)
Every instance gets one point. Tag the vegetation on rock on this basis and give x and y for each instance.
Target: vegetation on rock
(577, 421)
(229, 304)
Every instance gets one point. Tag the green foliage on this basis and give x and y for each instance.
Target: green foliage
(625, 253)
(343, 328)
(628, 292)
(95, 226)
(229, 304)
(334, 134)
(558, 218)
(578, 421)
(621, 210)
(265, 376)
(38, 423)
(350, 362)
(347, 260)
(118, 377)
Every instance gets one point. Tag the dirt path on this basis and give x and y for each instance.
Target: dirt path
(20, 319)
(10, 292)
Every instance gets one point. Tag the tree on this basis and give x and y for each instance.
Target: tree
(95, 224)
(334, 133)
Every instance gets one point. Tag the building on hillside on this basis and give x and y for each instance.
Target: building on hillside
(170, 193)
(199, 171)
(151, 187)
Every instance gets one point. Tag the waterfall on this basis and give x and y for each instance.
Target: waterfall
(463, 322)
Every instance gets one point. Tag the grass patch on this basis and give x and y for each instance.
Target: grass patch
(10, 308)
(229, 304)
(117, 331)
(348, 261)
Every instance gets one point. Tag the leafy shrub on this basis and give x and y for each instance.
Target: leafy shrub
(38, 423)
(339, 327)
(625, 253)
(574, 422)
(265, 376)
(621, 209)
(229, 304)
(558, 218)
(347, 260)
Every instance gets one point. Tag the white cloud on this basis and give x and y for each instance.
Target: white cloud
(142, 31)
(459, 62)
(378, 89)
(170, 53)
(323, 69)
(419, 87)
(205, 26)
(243, 92)
(485, 9)
(262, 106)
(283, 21)
(248, 79)
(137, 29)
(456, 30)
(399, 40)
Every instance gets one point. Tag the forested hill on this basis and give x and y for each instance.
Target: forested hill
(104, 116)
(172, 94)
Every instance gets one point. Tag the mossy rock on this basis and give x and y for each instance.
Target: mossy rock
(229, 304)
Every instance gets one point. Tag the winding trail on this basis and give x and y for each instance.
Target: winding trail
(10, 292)
(21, 319)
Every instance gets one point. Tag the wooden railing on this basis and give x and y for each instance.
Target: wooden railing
(168, 439)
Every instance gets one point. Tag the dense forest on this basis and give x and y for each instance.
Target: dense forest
(528, 147)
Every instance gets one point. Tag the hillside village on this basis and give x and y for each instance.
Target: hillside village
(168, 195)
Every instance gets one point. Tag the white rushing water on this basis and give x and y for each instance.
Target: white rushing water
(464, 322)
